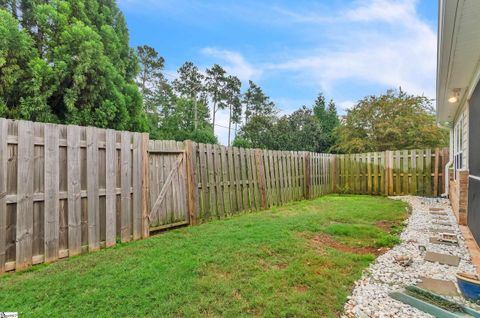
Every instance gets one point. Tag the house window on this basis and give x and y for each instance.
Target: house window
(458, 144)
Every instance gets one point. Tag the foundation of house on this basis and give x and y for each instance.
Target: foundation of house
(458, 194)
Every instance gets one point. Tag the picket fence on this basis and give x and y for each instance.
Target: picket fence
(67, 190)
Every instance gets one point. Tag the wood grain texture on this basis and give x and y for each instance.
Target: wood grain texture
(92, 189)
(126, 182)
(74, 191)
(51, 200)
(145, 186)
(24, 226)
(137, 177)
(3, 191)
(261, 177)
(192, 195)
(110, 188)
(308, 180)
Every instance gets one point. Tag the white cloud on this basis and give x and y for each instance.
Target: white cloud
(221, 127)
(382, 10)
(345, 105)
(236, 64)
(381, 42)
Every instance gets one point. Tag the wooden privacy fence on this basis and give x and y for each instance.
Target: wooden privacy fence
(66, 190)
(401, 172)
(230, 180)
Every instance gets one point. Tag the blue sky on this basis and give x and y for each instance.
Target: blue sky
(296, 49)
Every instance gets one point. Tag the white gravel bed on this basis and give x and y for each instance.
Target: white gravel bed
(370, 295)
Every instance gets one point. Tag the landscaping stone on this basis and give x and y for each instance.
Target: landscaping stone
(403, 260)
(439, 213)
(442, 258)
(438, 230)
(435, 240)
(370, 295)
(438, 286)
(442, 223)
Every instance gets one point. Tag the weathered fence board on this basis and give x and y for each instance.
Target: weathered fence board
(92, 190)
(24, 226)
(110, 187)
(65, 190)
(3, 192)
(168, 204)
(58, 191)
(52, 188)
(400, 172)
(73, 190)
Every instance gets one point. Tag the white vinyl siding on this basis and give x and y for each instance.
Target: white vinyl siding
(460, 139)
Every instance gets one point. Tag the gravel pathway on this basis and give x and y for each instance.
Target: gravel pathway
(370, 295)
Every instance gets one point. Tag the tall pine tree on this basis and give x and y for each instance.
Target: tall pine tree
(77, 66)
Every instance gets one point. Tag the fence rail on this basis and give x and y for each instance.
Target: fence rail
(401, 172)
(66, 190)
(230, 180)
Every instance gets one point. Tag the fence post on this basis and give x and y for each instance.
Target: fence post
(435, 173)
(390, 172)
(261, 177)
(3, 191)
(308, 178)
(386, 171)
(145, 185)
(333, 158)
(192, 195)
(445, 159)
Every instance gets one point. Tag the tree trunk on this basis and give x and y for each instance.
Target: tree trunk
(195, 124)
(229, 124)
(213, 116)
(14, 9)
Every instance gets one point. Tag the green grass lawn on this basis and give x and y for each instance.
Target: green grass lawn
(299, 260)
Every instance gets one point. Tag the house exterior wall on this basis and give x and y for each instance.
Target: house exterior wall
(474, 165)
(460, 142)
(459, 173)
(458, 194)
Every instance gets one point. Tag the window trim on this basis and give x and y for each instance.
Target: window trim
(458, 142)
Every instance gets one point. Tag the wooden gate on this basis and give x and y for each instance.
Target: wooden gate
(168, 185)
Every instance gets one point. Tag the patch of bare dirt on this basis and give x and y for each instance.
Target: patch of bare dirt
(301, 289)
(322, 240)
(267, 266)
(236, 294)
(385, 225)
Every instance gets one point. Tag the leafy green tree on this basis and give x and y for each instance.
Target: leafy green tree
(256, 103)
(17, 61)
(328, 121)
(241, 142)
(77, 66)
(158, 96)
(232, 99)
(179, 123)
(190, 84)
(216, 85)
(161, 104)
(300, 130)
(394, 120)
(256, 133)
(151, 66)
